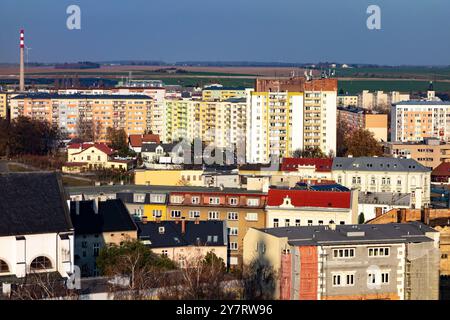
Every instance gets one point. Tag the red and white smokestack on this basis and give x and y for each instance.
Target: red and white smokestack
(22, 63)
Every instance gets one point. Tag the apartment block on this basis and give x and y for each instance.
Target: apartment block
(239, 208)
(349, 262)
(219, 93)
(359, 118)
(413, 121)
(430, 153)
(369, 100)
(347, 100)
(288, 114)
(379, 174)
(3, 105)
(100, 112)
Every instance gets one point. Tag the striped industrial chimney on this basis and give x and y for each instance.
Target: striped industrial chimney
(22, 63)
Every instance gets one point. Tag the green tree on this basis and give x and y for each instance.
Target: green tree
(309, 152)
(118, 140)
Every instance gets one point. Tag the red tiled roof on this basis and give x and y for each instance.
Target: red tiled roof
(322, 165)
(136, 140)
(84, 146)
(442, 170)
(307, 198)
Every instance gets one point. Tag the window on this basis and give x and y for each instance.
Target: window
(336, 280)
(371, 279)
(297, 222)
(233, 201)
(195, 200)
(379, 252)
(233, 246)
(287, 222)
(233, 216)
(251, 216)
(344, 253)
(310, 222)
(176, 199)
(320, 222)
(233, 231)
(3, 267)
(164, 253)
(213, 215)
(253, 202)
(96, 249)
(158, 198)
(175, 214)
(350, 279)
(193, 214)
(214, 200)
(41, 263)
(157, 213)
(139, 197)
(385, 278)
(276, 223)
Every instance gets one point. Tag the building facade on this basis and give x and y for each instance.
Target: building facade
(378, 174)
(349, 262)
(359, 118)
(413, 121)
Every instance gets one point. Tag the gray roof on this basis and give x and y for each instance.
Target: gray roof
(32, 203)
(389, 198)
(378, 164)
(107, 189)
(151, 147)
(422, 102)
(354, 234)
(204, 233)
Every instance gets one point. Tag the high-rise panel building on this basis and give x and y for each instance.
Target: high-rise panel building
(284, 115)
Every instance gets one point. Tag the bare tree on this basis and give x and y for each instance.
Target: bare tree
(38, 286)
(201, 278)
(258, 281)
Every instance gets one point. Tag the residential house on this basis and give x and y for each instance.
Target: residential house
(349, 262)
(241, 210)
(441, 174)
(97, 224)
(147, 205)
(182, 241)
(92, 156)
(36, 234)
(135, 141)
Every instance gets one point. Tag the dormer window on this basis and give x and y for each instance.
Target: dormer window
(287, 201)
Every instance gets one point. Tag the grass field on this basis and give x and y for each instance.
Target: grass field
(432, 73)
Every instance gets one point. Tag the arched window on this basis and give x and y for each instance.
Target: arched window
(41, 263)
(3, 267)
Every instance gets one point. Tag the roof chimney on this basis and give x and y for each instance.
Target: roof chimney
(332, 225)
(183, 226)
(95, 205)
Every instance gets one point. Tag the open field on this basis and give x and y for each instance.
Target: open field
(355, 86)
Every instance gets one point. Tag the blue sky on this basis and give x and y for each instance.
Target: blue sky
(413, 31)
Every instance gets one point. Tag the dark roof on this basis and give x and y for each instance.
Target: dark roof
(82, 96)
(151, 147)
(108, 189)
(378, 164)
(354, 234)
(32, 203)
(112, 216)
(328, 187)
(205, 233)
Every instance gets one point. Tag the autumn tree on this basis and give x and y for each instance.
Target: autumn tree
(118, 140)
(85, 128)
(361, 143)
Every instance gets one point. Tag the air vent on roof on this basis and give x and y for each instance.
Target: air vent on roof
(161, 230)
(356, 234)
